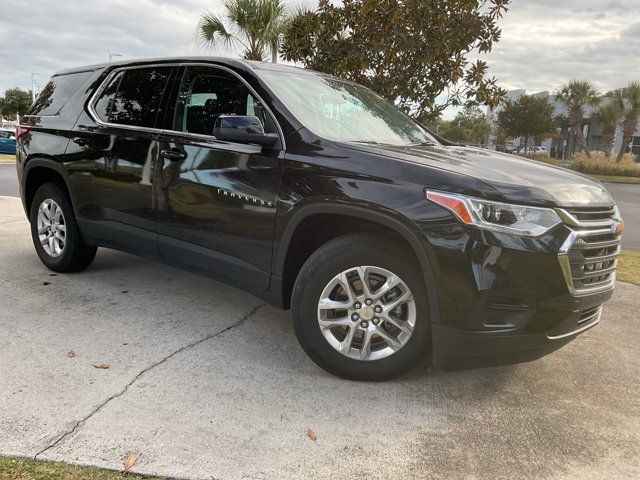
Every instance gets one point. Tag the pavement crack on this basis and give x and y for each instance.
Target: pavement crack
(80, 422)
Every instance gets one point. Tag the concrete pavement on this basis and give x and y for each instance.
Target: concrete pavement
(204, 381)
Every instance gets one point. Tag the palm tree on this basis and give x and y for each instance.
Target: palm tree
(610, 114)
(255, 25)
(575, 96)
(631, 94)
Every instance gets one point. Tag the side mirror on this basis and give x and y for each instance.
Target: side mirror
(243, 129)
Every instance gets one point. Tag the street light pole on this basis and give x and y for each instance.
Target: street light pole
(33, 86)
(111, 55)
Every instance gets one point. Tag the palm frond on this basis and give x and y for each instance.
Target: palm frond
(578, 93)
(632, 94)
(610, 111)
(212, 32)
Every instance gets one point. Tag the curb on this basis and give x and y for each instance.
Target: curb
(622, 182)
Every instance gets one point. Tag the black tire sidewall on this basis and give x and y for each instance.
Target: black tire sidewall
(63, 262)
(335, 257)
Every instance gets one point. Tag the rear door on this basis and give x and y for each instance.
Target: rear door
(111, 159)
(217, 200)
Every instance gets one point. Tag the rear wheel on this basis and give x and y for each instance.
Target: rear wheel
(360, 308)
(55, 233)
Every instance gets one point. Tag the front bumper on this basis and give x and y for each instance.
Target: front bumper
(454, 348)
(508, 299)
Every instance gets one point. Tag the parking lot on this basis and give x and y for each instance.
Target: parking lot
(204, 381)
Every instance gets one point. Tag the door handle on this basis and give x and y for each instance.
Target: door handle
(81, 141)
(173, 155)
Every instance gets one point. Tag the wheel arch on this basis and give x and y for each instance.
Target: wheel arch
(399, 227)
(39, 171)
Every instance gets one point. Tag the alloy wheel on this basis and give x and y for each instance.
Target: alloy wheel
(52, 228)
(367, 313)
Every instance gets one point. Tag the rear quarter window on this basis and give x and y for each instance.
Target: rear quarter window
(57, 92)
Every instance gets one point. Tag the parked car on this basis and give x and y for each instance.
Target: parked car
(535, 150)
(7, 141)
(389, 244)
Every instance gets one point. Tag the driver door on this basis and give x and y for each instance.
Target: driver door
(216, 200)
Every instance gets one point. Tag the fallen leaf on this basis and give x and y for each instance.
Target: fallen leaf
(71, 354)
(312, 435)
(102, 366)
(129, 461)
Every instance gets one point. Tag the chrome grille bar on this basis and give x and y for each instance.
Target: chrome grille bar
(589, 256)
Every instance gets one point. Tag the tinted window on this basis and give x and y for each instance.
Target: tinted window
(57, 92)
(206, 93)
(138, 97)
(104, 104)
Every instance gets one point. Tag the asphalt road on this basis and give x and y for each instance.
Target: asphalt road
(204, 381)
(8, 180)
(627, 196)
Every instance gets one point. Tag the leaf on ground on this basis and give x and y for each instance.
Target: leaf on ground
(101, 366)
(129, 461)
(71, 354)
(312, 435)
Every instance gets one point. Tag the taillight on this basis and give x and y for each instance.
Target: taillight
(21, 129)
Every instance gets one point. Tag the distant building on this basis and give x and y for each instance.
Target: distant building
(563, 144)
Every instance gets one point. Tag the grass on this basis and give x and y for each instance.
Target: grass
(14, 468)
(619, 178)
(629, 267)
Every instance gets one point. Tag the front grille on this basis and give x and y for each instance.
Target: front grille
(590, 314)
(593, 259)
(591, 214)
(593, 254)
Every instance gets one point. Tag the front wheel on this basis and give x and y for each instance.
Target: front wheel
(360, 308)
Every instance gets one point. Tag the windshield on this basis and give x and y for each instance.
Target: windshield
(344, 111)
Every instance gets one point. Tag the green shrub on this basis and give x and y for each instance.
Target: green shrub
(598, 164)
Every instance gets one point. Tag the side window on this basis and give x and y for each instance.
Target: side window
(206, 93)
(138, 96)
(103, 105)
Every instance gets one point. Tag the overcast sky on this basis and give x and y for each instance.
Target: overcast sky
(544, 42)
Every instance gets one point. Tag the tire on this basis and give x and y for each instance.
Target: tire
(379, 254)
(73, 255)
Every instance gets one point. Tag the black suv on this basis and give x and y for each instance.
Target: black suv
(387, 242)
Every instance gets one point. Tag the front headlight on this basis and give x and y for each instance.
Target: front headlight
(496, 216)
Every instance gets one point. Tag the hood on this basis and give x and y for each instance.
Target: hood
(517, 179)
